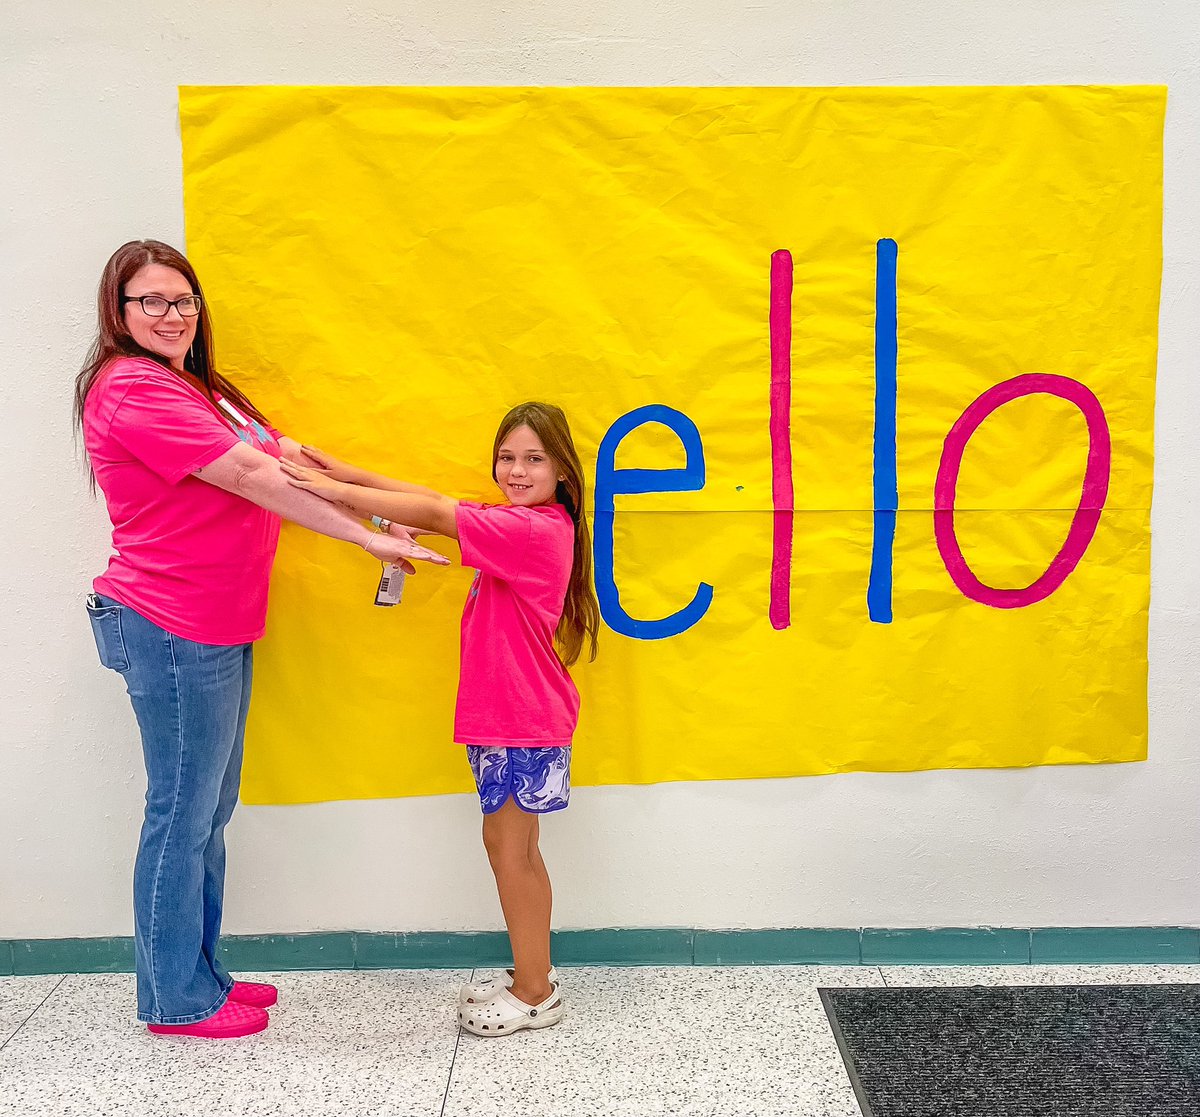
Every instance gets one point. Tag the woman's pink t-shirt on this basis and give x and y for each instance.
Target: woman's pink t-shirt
(192, 558)
(513, 689)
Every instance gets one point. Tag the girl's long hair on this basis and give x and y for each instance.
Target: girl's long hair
(581, 612)
(113, 338)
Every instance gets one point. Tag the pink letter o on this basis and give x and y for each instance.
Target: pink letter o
(1091, 498)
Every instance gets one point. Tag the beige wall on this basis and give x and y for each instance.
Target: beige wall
(90, 146)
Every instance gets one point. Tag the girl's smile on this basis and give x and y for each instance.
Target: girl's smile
(524, 471)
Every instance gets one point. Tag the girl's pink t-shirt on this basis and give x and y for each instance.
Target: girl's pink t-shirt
(192, 558)
(513, 689)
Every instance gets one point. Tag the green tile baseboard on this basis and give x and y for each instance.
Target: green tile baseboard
(39, 956)
(1114, 944)
(906, 946)
(429, 950)
(810, 945)
(644, 946)
(329, 950)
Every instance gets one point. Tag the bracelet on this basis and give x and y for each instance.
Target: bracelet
(381, 526)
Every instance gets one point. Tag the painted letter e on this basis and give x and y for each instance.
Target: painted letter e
(611, 481)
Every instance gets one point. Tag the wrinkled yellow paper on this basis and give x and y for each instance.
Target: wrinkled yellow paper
(390, 269)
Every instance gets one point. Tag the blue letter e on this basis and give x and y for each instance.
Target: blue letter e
(609, 482)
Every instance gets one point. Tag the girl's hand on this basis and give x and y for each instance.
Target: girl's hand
(314, 480)
(402, 531)
(327, 463)
(306, 459)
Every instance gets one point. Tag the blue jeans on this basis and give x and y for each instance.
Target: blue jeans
(191, 701)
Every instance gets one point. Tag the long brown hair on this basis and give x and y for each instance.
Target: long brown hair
(114, 340)
(581, 612)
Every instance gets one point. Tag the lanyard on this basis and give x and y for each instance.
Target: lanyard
(228, 407)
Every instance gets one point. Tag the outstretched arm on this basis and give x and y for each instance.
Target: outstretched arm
(256, 477)
(423, 508)
(352, 475)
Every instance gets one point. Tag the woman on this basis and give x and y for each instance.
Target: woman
(189, 470)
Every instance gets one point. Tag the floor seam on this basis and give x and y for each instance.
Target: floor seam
(453, 1057)
(18, 1028)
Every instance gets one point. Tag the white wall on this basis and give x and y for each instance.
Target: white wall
(90, 157)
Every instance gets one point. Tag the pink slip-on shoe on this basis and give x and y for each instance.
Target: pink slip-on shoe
(257, 994)
(230, 1021)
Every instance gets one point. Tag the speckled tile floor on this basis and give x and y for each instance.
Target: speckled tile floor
(643, 1042)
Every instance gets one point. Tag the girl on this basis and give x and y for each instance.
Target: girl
(517, 707)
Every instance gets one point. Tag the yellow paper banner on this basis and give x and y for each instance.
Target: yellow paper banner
(924, 319)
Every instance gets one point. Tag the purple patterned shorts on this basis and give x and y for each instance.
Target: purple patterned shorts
(539, 780)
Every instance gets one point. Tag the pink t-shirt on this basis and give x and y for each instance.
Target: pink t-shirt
(192, 558)
(513, 689)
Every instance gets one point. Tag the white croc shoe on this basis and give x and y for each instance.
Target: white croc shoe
(480, 991)
(504, 1014)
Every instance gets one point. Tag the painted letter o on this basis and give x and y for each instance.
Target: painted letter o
(1092, 495)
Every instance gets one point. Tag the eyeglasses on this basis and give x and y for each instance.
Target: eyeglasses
(156, 306)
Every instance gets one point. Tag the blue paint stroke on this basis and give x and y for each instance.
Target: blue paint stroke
(886, 487)
(611, 482)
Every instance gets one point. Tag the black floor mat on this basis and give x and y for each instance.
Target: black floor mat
(1027, 1051)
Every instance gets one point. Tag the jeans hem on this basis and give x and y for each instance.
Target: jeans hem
(180, 1021)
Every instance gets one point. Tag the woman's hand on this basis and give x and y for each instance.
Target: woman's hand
(390, 547)
(327, 463)
(316, 481)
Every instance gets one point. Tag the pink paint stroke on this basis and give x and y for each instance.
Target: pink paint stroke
(782, 497)
(1092, 496)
